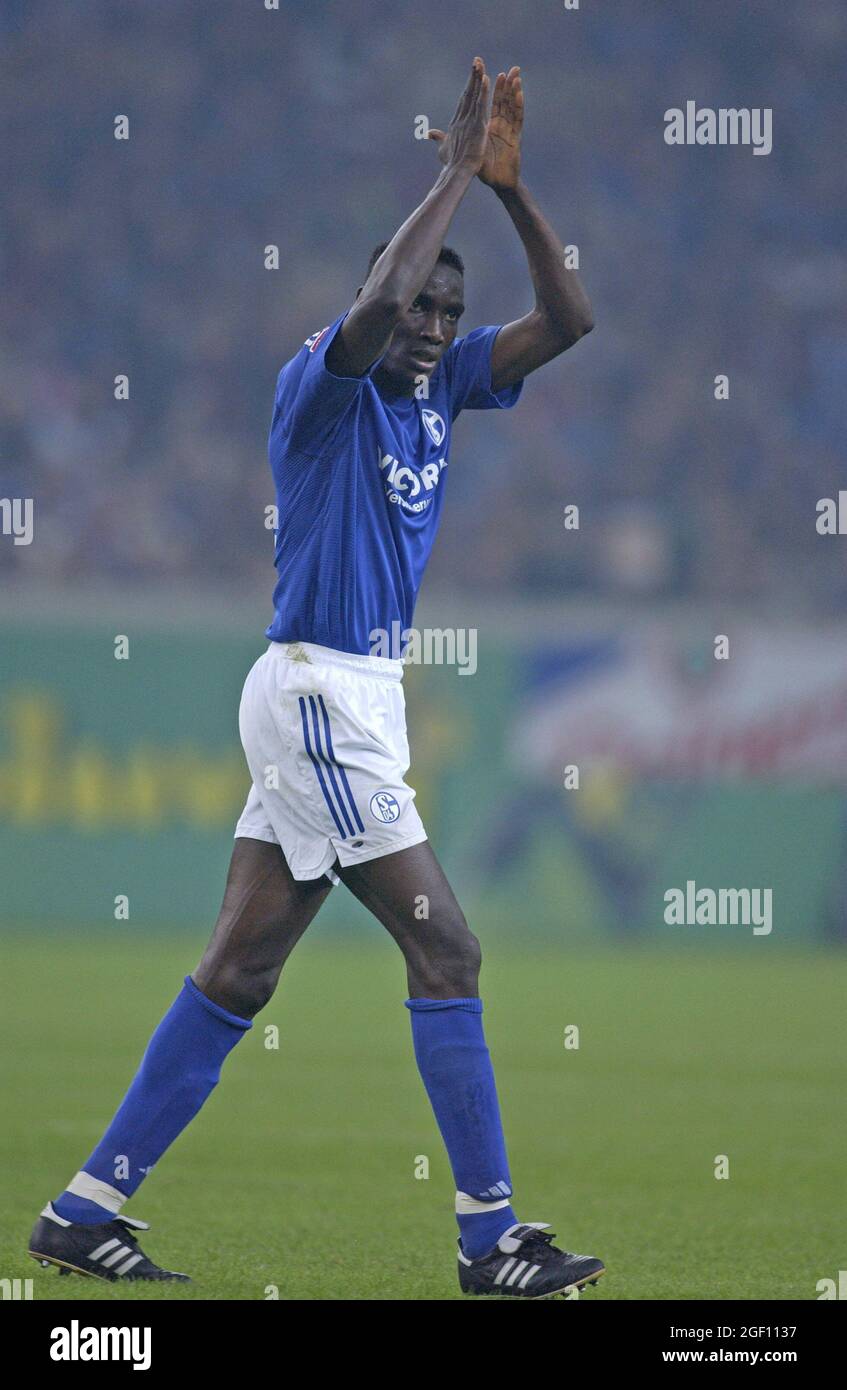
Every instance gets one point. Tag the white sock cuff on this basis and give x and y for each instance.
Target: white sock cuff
(93, 1190)
(469, 1206)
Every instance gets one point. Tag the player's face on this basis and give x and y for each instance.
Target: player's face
(427, 328)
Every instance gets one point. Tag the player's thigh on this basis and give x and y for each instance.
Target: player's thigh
(408, 892)
(264, 913)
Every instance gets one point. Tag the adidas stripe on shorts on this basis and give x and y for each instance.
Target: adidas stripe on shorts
(324, 733)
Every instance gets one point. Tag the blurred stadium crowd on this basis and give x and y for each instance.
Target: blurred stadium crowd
(250, 127)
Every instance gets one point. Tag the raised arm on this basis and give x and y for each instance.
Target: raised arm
(562, 313)
(407, 262)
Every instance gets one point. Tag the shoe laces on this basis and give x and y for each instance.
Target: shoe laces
(127, 1233)
(541, 1242)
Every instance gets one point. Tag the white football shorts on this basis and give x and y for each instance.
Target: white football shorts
(324, 733)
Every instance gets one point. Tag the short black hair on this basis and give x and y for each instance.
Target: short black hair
(446, 254)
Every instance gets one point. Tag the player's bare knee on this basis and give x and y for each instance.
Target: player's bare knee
(236, 986)
(447, 961)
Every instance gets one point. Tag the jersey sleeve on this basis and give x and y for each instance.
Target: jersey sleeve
(310, 399)
(468, 363)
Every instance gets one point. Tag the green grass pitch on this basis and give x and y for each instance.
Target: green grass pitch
(300, 1171)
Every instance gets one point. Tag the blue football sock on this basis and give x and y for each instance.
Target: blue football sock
(455, 1065)
(179, 1070)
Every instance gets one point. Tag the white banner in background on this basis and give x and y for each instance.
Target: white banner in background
(656, 702)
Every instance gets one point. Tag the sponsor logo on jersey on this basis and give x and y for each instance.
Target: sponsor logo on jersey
(435, 427)
(407, 487)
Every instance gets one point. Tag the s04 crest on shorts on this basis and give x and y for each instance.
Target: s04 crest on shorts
(384, 807)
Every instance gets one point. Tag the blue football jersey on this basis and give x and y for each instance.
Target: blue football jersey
(359, 488)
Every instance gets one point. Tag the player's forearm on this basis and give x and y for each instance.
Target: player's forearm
(559, 294)
(407, 262)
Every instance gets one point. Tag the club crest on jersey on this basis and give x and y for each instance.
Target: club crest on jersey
(435, 427)
(312, 343)
(384, 807)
